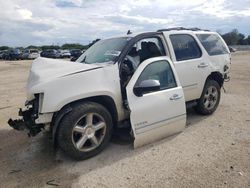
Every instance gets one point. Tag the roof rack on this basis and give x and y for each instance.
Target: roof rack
(182, 28)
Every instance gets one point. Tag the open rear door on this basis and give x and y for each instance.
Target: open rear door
(156, 101)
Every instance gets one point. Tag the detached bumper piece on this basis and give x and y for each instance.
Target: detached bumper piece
(17, 124)
(27, 122)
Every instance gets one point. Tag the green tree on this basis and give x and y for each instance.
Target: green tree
(93, 42)
(4, 47)
(241, 40)
(231, 38)
(73, 46)
(248, 40)
(47, 47)
(235, 38)
(32, 47)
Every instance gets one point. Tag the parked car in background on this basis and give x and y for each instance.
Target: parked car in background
(50, 54)
(30, 54)
(43, 53)
(25, 54)
(64, 53)
(12, 54)
(75, 54)
(34, 54)
(2, 53)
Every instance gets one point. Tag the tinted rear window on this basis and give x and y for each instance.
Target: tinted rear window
(185, 47)
(33, 51)
(213, 44)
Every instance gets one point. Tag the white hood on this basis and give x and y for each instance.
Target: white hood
(44, 69)
(60, 82)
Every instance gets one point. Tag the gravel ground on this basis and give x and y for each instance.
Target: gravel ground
(213, 151)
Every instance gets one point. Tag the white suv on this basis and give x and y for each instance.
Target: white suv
(146, 79)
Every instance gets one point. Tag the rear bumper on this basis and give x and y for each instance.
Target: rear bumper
(27, 120)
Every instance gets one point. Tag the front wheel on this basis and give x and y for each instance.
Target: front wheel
(209, 99)
(85, 131)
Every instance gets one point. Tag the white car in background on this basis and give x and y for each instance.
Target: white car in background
(30, 54)
(64, 53)
(145, 79)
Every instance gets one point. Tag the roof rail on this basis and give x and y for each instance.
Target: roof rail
(182, 28)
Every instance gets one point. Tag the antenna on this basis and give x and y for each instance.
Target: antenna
(129, 32)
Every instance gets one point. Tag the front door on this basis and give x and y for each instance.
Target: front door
(156, 101)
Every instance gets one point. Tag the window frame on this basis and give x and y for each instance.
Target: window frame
(197, 43)
(153, 37)
(161, 89)
(137, 38)
(157, 37)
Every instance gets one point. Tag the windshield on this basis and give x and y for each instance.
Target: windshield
(104, 51)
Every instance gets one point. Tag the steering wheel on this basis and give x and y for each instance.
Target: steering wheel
(128, 68)
(131, 63)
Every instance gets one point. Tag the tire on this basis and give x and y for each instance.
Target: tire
(81, 139)
(209, 99)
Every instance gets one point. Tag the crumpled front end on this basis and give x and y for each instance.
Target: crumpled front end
(28, 118)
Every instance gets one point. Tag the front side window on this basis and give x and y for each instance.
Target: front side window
(213, 44)
(145, 49)
(161, 71)
(185, 47)
(104, 51)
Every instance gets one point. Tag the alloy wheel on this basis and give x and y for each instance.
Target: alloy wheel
(89, 131)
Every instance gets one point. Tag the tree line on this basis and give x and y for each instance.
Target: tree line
(68, 46)
(234, 37)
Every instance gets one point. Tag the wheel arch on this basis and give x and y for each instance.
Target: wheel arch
(107, 101)
(216, 76)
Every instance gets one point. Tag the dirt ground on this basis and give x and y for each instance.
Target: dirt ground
(213, 151)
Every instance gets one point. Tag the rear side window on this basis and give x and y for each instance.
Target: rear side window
(213, 44)
(185, 47)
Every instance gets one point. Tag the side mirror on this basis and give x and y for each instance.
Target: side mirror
(146, 86)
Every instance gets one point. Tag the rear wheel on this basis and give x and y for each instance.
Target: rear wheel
(85, 131)
(209, 99)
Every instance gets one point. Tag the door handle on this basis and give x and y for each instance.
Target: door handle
(202, 65)
(175, 97)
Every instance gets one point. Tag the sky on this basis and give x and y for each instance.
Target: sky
(46, 22)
